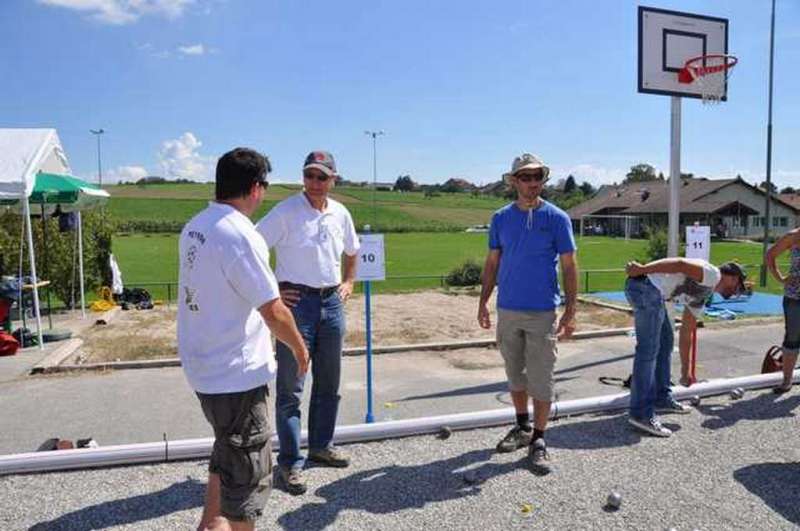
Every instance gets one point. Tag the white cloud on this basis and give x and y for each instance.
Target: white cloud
(180, 158)
(193, 49)
(120, 12)
(125, 173)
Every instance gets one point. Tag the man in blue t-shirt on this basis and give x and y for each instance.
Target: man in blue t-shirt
(527, 240)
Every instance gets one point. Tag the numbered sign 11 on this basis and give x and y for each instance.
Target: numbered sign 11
(698, 242)
(371, 263)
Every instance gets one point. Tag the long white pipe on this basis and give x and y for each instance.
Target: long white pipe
(164, 451)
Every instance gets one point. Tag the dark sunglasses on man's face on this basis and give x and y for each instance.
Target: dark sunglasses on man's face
(528, 177)
(321, 177)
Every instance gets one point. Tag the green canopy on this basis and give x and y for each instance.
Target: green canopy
(71, 193)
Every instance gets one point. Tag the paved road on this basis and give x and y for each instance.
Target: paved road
(131, 406)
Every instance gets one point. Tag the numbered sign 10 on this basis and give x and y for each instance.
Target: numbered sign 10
(371, 262)
(698, 242)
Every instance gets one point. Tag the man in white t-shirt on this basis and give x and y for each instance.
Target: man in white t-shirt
(686, 281)
(229, 302)
(313, 237)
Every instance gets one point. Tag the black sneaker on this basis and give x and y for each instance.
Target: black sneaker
(329, 457)
(538, 457)
(292, 480)
(515, 439)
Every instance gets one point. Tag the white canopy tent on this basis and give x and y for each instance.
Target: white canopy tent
(23, 154)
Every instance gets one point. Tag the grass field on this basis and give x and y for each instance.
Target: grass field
(392, 211)
(146, 258)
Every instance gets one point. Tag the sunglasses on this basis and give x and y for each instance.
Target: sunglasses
(528, 177)
(321, 177)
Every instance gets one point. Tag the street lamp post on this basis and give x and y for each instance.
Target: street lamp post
(98, 133)
(763, 278)
(374, 135)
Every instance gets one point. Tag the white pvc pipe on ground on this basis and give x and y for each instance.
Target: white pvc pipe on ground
(165, 451)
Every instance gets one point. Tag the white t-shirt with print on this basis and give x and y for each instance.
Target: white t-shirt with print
(308, 243)
(679, 289)
(223, 343)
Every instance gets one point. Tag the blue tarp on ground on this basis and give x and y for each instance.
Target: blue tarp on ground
(755, 304)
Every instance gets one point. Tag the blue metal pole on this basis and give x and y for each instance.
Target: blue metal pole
(370, 418)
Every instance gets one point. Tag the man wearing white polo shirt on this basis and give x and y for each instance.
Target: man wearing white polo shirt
(227, 294)
(313, 237)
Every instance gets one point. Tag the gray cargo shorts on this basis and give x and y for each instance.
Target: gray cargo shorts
(242, 455)
(527, 342)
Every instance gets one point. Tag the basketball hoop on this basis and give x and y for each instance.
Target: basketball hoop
(710, 73)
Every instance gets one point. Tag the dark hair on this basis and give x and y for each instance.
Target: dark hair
(238, 170)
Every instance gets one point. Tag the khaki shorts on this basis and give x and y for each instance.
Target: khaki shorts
(527, 342)
(242, 455)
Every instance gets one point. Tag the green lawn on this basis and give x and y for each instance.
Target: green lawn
(166, 207)
(146, 258)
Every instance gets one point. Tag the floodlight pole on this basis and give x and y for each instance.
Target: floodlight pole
(374, 135)
(769, 149)
(674, 176)
(98, 133)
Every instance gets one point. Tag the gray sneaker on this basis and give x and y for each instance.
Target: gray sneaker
(515, 439)
(329, 457)
(292, 480)
(538, 457)
(652, 426)
(673, 406)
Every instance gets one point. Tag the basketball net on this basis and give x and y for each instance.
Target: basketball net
(710, 74)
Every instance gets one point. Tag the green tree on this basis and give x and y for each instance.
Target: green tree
(569, 185)
(587, 189)
(640, 173)
(61, 266)
(404, 183)
(788, 190)
(772, 188)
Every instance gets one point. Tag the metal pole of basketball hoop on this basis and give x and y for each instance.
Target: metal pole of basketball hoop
(769, 148)
(674, 175)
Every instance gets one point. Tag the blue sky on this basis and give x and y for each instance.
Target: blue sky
(459, 88)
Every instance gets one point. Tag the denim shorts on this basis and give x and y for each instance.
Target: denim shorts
(242, 455)
(791, 317)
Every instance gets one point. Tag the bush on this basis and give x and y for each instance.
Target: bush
(61, 267)
(658, 245)
(466, 274)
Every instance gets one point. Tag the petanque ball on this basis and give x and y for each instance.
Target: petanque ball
(444, 433)
(614, 500)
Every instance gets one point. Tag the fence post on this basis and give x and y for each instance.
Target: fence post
(169, 293)
(586, 282)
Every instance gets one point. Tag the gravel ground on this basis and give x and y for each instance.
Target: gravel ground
(730, 465)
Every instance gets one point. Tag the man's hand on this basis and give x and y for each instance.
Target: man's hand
(566, 325)
(483, 316)
(634, 269)
(345, 290)
(302, 358)
(290, 296)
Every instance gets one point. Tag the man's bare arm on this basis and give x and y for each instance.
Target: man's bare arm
(666, 265)
(569, 276)
(281, 323)
(488, 281)
(349, 276)
(688, 326)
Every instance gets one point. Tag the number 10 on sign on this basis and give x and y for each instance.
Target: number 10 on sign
(371, 264)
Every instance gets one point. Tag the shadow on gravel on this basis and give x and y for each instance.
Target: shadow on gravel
(778, 484)
(177, 497)
(499, 388)
(764, 406)
(394, 488)
(604, 432)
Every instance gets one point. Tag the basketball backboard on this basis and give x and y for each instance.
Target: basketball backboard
(667, 39)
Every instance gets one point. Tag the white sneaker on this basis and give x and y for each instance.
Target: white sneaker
(675, 407)
(652, 426)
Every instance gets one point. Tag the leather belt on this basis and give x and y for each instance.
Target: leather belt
(302, 288)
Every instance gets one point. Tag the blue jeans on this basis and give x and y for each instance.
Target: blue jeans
(321, 323)
(650, 384)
